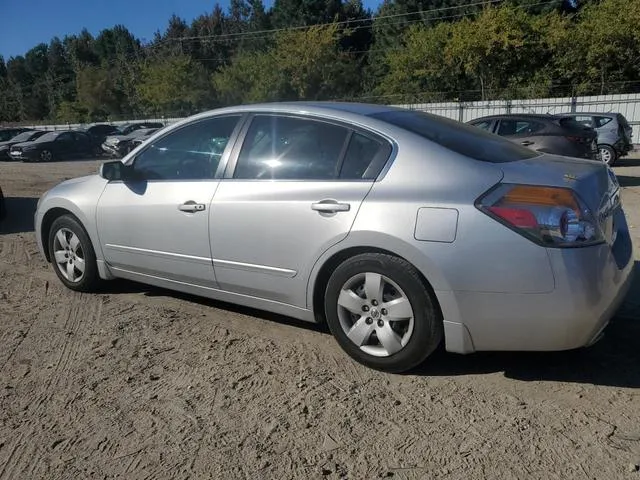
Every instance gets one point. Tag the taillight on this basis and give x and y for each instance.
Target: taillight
(574, 139)
(549, 216)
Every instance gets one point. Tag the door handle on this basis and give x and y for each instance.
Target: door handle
(330, 206)
(191, 207)
(526, 143)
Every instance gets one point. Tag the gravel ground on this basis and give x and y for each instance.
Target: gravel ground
(139, 382)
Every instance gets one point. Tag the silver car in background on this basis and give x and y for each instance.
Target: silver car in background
(398, 228)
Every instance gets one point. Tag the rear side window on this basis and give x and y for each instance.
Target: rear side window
(458, 137)
(288, 148)
(364, 158)
(602, 121)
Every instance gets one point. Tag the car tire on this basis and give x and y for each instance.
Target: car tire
(363, 325)
(45, 156)
(608, 154)
(72, 255)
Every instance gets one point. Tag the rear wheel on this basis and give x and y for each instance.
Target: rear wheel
(72, 255)
(608, 154)
(381, 313)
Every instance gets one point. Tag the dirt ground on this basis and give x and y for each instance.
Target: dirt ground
(143, 383)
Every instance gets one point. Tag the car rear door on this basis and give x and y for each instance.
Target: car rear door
(292, 189)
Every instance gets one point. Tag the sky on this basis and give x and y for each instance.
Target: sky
(25, 23)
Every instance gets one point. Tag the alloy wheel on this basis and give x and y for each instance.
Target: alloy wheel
(605, 155)
(69, 255)
(375, 314)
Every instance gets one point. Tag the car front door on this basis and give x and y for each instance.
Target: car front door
(83, 146)
(523, 131)
(158, 223)
(291, 190)
(63, 145)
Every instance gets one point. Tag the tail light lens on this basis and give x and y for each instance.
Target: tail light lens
(549, 216)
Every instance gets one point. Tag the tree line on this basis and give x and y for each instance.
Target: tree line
(405, 51)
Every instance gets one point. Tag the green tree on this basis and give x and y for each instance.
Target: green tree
(174, 85)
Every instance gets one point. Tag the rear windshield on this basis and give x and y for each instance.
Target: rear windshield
(623, 121)
(574, 124)
(464, 139)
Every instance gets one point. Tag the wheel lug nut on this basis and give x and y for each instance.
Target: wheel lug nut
(368, 321)
(365, 308)
(380, 323)
(384, 311)
(374, 302)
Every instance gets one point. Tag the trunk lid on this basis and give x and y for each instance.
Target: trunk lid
(594, 182)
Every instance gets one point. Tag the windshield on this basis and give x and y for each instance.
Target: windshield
(464, 139)
(24, 137)
(47, 137)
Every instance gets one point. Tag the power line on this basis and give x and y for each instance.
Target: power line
(371, 20)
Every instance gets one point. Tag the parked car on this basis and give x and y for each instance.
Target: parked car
(99, 132)
(130, 127)
(396, 227)
(9, 133)
(3, 207)
(28, 136)
(559, 135)
(120, 145)
(614, 133)
(62, 145)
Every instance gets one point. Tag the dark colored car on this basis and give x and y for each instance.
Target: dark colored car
(126, 129)
(101, 131)
(614, 133)
(3, 208)
(120, 145)
(63, 145)
(9, 133)
(28, 136)
(555, 134)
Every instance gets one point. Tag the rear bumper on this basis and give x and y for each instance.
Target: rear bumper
(591, 284)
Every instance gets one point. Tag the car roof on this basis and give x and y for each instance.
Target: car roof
(598, 114)
(365, 109)
(538, 116)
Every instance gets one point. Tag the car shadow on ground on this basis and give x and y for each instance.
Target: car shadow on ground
(613, 361)
(628, 162)
(20, 212)
(628, 181)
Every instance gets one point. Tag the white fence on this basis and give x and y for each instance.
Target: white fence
(626, 104)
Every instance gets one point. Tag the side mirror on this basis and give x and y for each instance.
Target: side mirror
(114, 171)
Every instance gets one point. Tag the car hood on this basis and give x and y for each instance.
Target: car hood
(112, 138)
(28, 144)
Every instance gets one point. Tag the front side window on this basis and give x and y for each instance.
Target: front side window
(484, 125)
(602, 121)
(65, 137)
(192, 152)
(584, 120)
(518, 127)
(290, 148)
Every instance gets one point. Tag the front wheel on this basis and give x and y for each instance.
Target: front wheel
(608, 154)
(72, 255)
(46, 156)
(381, 313)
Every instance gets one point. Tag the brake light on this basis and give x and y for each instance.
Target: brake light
(577, 139)
(549, 216)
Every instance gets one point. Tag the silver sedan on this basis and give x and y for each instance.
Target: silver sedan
(401, 230)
